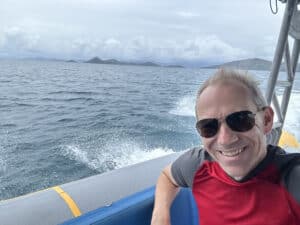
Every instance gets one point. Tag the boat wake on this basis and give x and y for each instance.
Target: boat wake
(113, 156)
(185, 106)
(292, 121)
(3, 165)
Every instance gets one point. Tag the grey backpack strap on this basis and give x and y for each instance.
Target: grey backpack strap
(291, 179)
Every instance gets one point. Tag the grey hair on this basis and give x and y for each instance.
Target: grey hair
(226, 75)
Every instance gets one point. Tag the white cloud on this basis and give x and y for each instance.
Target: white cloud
(161, 31)
(186, 14)
(16, 37)
(211, 47)
(140, 48)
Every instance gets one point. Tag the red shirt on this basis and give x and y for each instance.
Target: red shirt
(266, 196)
(258, 201)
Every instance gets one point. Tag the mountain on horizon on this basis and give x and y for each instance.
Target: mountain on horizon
(250, 64)
(97, 60)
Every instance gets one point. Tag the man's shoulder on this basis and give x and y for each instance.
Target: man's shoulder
(184, 168)
(196, 153)
(282, 159)
(289, 168)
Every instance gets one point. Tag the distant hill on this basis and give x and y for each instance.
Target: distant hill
(71, 61)
(250, 64)
(116, 62)
(146, 64)
(175, 66)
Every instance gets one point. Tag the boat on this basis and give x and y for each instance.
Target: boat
(126, 195)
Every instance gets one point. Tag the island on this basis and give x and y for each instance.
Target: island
(97, 60)
(250, 64)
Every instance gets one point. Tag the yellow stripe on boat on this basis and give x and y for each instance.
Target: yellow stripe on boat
(68, 200)
(288, 140)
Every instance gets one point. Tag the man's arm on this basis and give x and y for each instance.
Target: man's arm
(166, 191)
(178, 174)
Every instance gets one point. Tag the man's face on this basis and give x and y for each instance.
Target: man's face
(236, 152)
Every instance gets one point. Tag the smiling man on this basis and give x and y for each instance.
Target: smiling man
(236, 178)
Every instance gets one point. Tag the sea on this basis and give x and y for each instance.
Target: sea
(64, 121)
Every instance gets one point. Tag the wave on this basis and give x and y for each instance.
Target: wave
(3, 165)
(113, 156)
(8, 125)
(24, 93)
(185, 106)
(291, 150)
(79, 99)
(24, 105)
(139, 155)
(67, 99)
(10, 105)
(66, 120)
(74, 92)
(292, 120)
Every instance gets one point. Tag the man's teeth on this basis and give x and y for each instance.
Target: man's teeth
(232, 153)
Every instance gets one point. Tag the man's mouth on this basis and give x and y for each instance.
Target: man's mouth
(232, 153)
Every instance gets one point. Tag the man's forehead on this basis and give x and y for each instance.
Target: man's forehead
(223, 86)
(229, 95)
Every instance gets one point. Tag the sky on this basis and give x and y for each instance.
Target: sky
(193, 32)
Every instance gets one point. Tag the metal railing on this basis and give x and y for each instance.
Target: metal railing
(290, 31)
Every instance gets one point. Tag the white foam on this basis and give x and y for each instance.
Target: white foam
(138, 155)
(80, 155)
(292, 150)
(3, 164)
(185, 106)
(114, 155)
(292, 120)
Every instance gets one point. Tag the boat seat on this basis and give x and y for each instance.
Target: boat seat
(137, 210)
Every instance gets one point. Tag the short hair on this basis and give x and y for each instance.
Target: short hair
(227, 75)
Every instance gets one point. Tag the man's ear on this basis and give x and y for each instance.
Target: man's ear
(268, 119)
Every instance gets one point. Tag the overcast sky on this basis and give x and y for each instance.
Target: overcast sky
(165, 31)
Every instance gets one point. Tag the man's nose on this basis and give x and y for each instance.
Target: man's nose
(225, 135)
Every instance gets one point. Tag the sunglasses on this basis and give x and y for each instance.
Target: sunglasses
(241, 121)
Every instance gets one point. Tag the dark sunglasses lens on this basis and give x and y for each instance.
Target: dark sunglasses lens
(241, 121)
(207, 127)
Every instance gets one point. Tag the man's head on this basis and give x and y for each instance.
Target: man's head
(236, 141)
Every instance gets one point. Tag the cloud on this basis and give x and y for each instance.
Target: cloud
(139, 48)
(186, 14)
(212, 48)
(161, 31)
(204, 48)
(16, 42)
(17, 38)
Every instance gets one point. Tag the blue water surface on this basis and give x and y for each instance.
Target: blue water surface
(64, 121)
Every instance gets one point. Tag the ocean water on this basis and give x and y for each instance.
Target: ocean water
(65, 121)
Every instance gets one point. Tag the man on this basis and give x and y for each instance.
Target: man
(236, 178)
